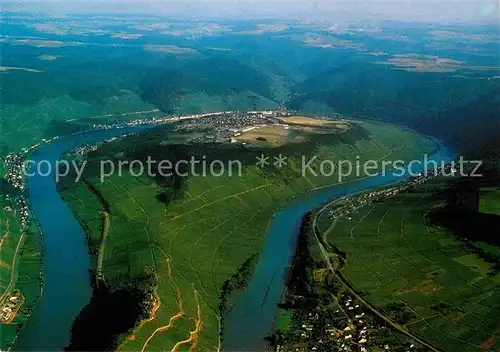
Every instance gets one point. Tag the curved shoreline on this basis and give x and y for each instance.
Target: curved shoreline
(43, 330)
(42, 283)
(352, 288)
(241, 333)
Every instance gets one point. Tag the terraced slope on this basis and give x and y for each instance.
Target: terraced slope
(193, 234)
(442, 288)
(20, 264)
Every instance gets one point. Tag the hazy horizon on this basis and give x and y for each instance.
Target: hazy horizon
(406, 10)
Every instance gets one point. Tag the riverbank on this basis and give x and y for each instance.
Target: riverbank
(159, 241)
(429, 279)
(325, 313)
(284, 228)
(64, 242)
(323, 308)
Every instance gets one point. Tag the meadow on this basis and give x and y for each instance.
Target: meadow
(433, 283)
(200, 231)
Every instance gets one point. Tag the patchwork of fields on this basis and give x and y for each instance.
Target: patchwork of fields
(489, 201)
(20, 264)
(203, 235)
(430, 282)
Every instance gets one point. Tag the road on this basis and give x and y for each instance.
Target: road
(106, 224)
(348, 285)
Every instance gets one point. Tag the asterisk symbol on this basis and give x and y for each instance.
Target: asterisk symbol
(262, 161)
(280, 161)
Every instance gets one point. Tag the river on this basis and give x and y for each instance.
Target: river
(253, 315)
(66, 260)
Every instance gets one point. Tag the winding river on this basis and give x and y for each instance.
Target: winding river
(253, 314)
(66, 261)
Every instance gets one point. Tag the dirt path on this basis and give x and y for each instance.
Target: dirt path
(13, 269)
(173, 318)
(193, 335)
(106, 224)
(218, 200)
(163, 328)
(338, 275)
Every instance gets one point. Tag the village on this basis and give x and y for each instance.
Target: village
(9, 306)
(330, 318)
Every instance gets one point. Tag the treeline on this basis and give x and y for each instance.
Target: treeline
(300, 276)
(237, 282)
(462, 217)
(303, 291)
(463, 111)
(112, 313)
(306, 295)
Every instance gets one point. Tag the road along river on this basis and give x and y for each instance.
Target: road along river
(66, 260)
(253, 315)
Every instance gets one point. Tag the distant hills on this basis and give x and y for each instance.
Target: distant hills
(441, 80)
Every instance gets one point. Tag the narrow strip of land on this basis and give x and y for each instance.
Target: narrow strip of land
(114, 115)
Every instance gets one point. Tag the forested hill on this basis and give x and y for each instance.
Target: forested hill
(454, 108)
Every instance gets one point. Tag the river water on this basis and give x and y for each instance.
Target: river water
(66, 260)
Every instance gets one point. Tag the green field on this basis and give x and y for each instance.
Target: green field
(66, 75)
(399, 262)
(207, 229)
(488, 202)
(20, 264)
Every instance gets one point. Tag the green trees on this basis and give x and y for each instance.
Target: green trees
(237, 282)
(111, 313)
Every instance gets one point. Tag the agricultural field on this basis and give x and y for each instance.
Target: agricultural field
(308, 121)
(489, 201)
(20, 264)
(430, 282)
(193, 233)
(319, 312)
